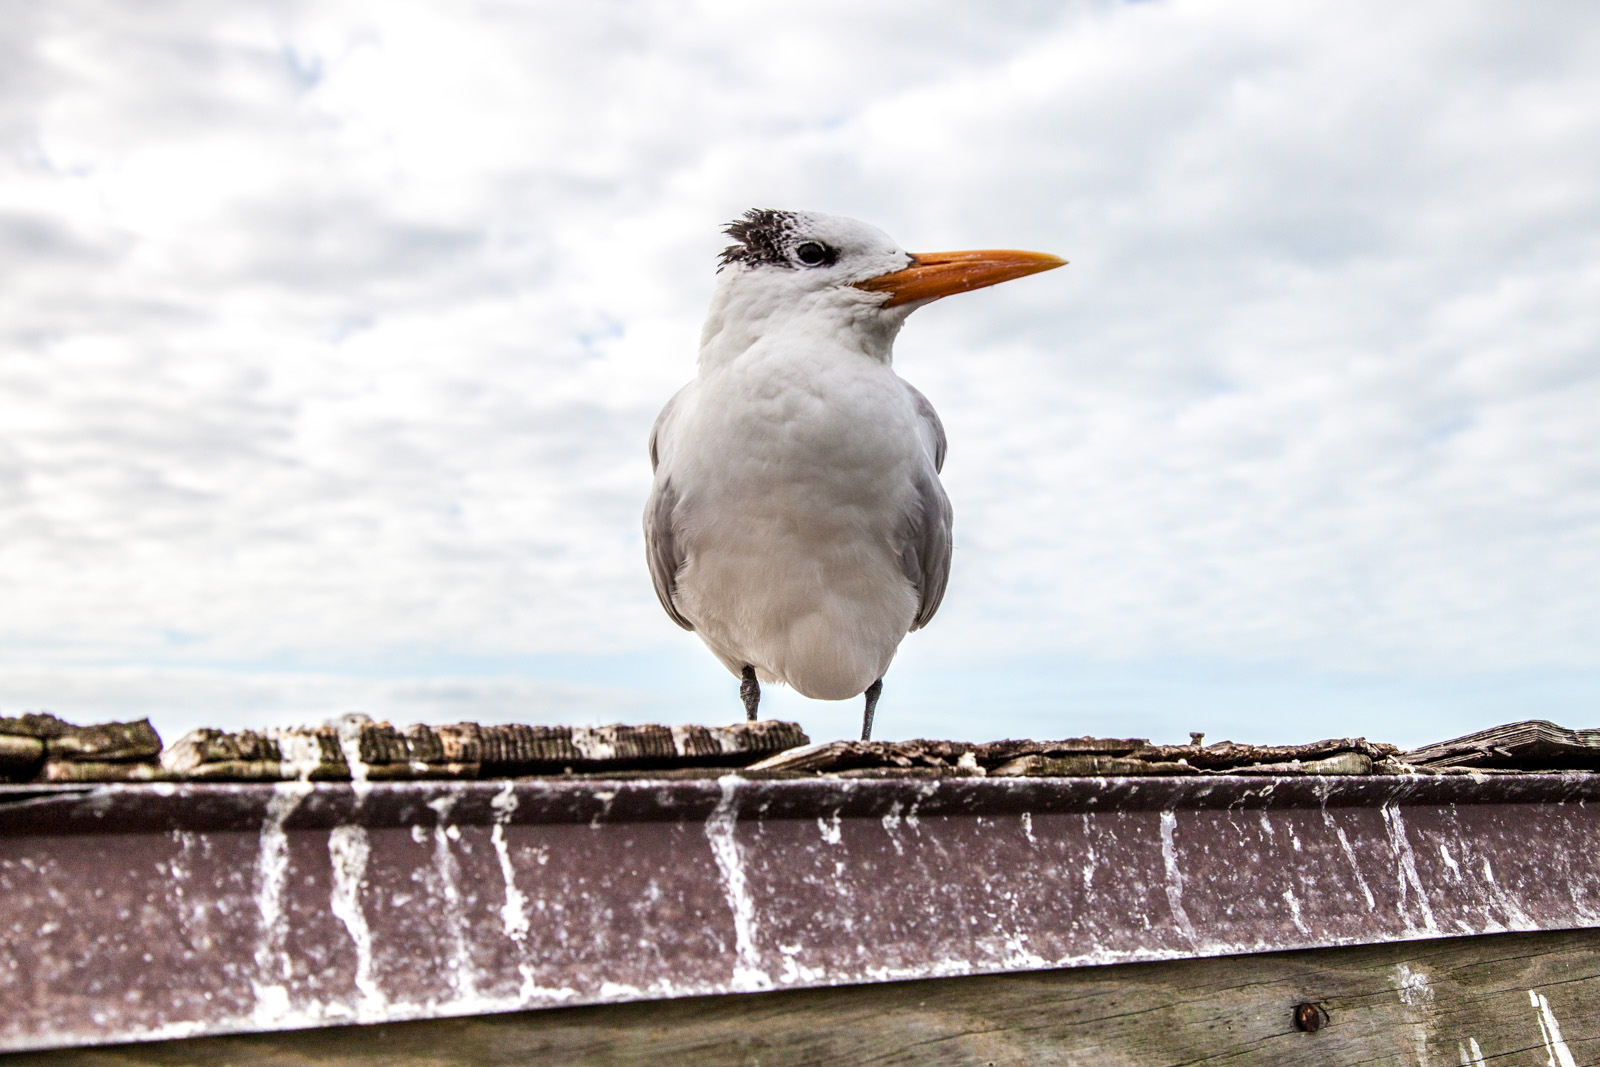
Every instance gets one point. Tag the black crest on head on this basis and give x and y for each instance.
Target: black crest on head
(763, 237)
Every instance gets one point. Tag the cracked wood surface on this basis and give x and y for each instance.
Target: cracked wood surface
(1508, 999)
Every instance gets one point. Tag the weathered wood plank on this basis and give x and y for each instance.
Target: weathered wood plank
(1505, 1000)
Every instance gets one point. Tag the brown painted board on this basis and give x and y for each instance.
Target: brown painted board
(187, 910)
(1509, 999)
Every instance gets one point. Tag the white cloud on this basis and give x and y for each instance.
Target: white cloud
(334, 332)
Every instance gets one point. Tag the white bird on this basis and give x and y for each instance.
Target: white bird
(797, 522)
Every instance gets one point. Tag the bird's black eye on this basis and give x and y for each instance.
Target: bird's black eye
(814, 254)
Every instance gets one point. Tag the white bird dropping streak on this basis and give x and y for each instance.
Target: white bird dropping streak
(1406, 863)
(1550, 1030)
(348, 852)
(447, 870)
(747, 971)
(797, 522)
(349, 732)
(1350, 856)
(514, 912)
(273, 965)
(1174, 883)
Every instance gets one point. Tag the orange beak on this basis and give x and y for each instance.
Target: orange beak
(935, 274)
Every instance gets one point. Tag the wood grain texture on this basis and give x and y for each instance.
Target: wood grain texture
(1504, 1000)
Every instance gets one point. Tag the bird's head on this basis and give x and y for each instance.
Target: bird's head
(809, 271)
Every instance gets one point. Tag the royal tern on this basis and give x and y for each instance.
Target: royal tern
(797, 522)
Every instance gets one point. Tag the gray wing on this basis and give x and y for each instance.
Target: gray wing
(931, 418)
(661, 548)
(923, 538)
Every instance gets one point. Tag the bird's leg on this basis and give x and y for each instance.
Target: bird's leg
(874, 691)
(750, 692)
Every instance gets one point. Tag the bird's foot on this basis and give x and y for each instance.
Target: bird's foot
(749, 692)
(874, 691)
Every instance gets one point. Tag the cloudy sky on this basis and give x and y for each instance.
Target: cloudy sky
(331, 335)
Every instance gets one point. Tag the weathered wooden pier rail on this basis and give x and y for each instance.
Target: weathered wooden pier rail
(1087, 901)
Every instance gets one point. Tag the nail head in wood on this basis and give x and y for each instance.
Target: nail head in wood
(1309, 1017)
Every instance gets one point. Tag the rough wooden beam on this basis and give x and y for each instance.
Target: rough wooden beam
(1532, 744)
